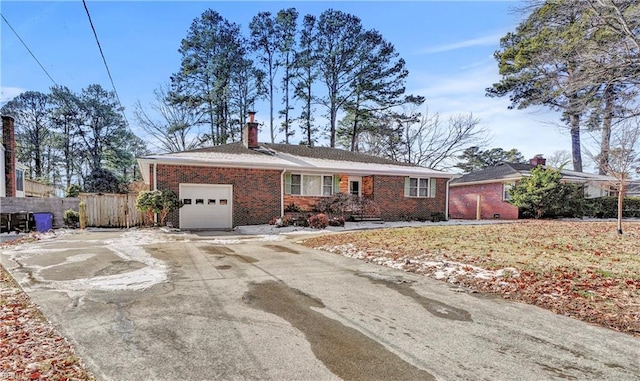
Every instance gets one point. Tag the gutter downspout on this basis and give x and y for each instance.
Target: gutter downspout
(155, 187)
(446, 201)
(155, 176)
(282, 192)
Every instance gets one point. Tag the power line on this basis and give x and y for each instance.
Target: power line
(29, 50)
(105, 61)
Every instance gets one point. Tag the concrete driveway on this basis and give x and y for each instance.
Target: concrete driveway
(145, 305)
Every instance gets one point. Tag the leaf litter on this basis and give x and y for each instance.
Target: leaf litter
(30, 347)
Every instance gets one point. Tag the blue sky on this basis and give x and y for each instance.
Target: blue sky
(448, 47)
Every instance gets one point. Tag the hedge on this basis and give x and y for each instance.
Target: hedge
(607, 207)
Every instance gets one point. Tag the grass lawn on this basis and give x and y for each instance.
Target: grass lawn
(579, 269)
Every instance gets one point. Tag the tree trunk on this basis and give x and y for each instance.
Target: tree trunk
(621, 191)
(576, 153)
(354, 134)
(286, 101)
(273, 137)
(603, 158)
(332, 127)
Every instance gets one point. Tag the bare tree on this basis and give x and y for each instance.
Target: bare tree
(170, 125)
(559, 159)
(430, 142)
(624, 159)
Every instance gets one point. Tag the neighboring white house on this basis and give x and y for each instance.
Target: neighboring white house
(20, 183)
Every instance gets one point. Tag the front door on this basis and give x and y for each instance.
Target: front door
(355, 186)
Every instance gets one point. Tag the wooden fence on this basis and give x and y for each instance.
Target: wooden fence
(34, 188)
(112, 210)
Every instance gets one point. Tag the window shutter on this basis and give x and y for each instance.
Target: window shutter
(287, 183)
(336, 184)
(407, 184)
(432, 188)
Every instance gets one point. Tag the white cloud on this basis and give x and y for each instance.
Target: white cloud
(492, 39)
(8, 93)
(531, 131)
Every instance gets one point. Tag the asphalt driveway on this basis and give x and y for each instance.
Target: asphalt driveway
(145, 305)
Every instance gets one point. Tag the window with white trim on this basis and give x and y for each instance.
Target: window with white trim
(309, 185)
(506, 191)
(419, 187)
(19, 180)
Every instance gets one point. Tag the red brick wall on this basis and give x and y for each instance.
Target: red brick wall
(367, 186)
(463, 202)
(304, 203)
(388, 194)
(8, 137)
(151, 176)
(256, 192)
(344, 184)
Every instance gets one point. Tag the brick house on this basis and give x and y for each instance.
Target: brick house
(249, 183)
(484, 194)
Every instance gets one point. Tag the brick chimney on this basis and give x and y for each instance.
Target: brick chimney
(250, 132)
(9, 141)
(538, 160)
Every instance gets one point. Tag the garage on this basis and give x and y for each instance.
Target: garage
(206, 206)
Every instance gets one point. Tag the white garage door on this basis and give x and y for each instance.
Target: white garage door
(206, 206)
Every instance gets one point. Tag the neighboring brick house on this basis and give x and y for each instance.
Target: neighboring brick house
(484, 194)
(12, 181)
(248, 183)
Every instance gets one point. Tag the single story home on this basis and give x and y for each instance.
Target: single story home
(249, 183)
(484, 194)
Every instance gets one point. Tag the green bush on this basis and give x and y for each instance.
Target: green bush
(73, 190)
(437, 217)
(607, 207)
(157, 201)
(543, 195)
(71, 217)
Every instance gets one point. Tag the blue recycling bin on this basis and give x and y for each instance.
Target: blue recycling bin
(44, 221)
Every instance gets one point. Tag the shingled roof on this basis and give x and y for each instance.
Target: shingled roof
(325, 153)
(511, 171)
(498, 172)
(328, 153)
(292, 158)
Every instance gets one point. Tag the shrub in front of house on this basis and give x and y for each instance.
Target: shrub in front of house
(282, 222)
(336, 204)
(438, 217)
(292, 208)
(318, 221)
(159, 202)
(543, 195)
(607, 207)
(336, 221)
